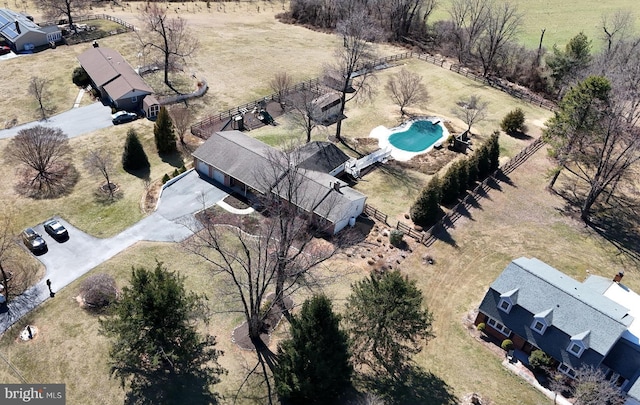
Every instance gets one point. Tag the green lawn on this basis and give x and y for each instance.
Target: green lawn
(561, 19)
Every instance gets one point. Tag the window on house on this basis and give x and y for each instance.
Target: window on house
(576, 349)
(499, 327)
(566, 370)
(505, 305)
(539, 326)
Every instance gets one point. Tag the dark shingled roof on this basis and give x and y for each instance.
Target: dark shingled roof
(321, 156)
(108, 69)
(249, 161)
(576, 309)
(239, 156)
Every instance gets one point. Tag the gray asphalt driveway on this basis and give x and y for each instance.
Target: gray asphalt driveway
(75, 122)
(67, 261)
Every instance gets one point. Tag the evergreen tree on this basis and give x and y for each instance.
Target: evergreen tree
(163, 133)
(494, 151)
(155, 343)
(513, 122)
(463, 176)
(313, 364)
(472, 171)
(426, 209)
(133, 156)
(386, 322)
(449, 185)
(484, 161)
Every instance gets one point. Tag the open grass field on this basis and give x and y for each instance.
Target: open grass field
(562, 19)
(241, 50)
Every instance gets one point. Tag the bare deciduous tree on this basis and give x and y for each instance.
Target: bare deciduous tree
(591, 387)
(16, 274)
(63, 8)
(43, 155)
(98, 291)
(469, 19)
(502, 24)
(471, 110)
(100, 161)
(38, 89)
(406, 88)
(279, 84)
(616, 29)
(170, 37)
(352, 67)
(302, 111)
(277, 254)
(181, 117)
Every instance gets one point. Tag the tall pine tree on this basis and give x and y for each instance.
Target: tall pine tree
(163, 133)
(156, 346)
(494, 151)
(313, 364)
(426, 210)
(133, 156)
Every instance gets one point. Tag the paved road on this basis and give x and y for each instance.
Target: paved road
(67, 261)
(75, 122)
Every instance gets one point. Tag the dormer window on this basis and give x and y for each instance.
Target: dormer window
(541, 321)
(505, 305)
(576, 349)
(579, 343)
(538, 326)
(508, 300)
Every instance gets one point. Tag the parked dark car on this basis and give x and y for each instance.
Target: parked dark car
(33, 241)
(123, 116)
(56, 230)
(4, 50)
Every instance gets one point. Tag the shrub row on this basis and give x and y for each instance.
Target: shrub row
(460, 177)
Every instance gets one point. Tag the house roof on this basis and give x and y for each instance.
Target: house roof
(108, 69)
(576, 308)
(250, 161)
(7, 19)
(321, 156)
(238, 156)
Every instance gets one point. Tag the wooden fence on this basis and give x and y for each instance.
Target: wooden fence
(377, 214)
(199, 128)
(428, 237)
(92, 35)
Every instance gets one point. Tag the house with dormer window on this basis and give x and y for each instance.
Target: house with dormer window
(592, 323)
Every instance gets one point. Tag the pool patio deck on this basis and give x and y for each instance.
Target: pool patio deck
(382, 133)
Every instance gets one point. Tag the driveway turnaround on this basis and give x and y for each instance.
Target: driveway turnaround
(75, 122)
(173, 221)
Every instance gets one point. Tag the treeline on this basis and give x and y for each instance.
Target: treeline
(480, 35)
(461, 176)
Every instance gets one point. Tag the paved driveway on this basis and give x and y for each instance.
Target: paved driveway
(75, 122)
(67, 261)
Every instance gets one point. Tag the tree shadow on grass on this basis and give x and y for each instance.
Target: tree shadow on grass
(175, 389)
(142, 173)
(618, 221)
(412, 385)
(174, 159)
(441, 232)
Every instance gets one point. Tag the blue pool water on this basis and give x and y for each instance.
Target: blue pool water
(419, 136)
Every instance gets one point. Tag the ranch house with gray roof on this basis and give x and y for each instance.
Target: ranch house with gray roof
(249, 166)
(578, 324)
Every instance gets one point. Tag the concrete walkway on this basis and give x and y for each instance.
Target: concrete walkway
(516, 367)
(173, 221)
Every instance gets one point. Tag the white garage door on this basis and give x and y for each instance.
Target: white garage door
(218, 176)
(203, 168)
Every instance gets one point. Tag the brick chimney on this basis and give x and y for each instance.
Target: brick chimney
(618, 276)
